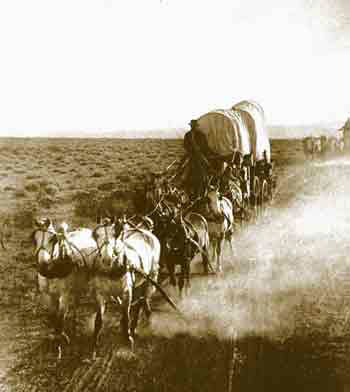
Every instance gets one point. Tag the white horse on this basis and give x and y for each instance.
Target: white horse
(59, 255)
(128, 260)
(220, 223)
(218, 212)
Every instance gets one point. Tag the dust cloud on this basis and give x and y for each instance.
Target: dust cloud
(295, 256)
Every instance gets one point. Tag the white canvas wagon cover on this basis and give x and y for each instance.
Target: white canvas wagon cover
(241, 128)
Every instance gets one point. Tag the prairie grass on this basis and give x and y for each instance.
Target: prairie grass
(171, 357)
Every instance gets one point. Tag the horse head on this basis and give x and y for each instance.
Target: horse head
(109, 237)
(41, 236)
(174, 237)
(104, 236)
(52, 251)
(213, 203)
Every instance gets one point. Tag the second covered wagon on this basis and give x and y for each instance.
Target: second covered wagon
(220, 136)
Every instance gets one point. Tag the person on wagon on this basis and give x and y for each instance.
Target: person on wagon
(194, 166)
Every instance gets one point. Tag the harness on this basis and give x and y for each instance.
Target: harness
(135, 270)
(125, 267)
(61, 240)
(59, 267)
(105, 243)
(215, 220)
(41, 247)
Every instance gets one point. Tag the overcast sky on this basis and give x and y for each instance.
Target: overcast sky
(101, 65)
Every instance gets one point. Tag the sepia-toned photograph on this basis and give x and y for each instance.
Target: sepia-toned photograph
(175, 181)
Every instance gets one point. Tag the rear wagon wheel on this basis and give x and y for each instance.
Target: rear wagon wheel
(256, 199)
(265, 197)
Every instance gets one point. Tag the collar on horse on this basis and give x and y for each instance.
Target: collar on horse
(116, 252)
(62, 241)
(42, 247)
(59, 267)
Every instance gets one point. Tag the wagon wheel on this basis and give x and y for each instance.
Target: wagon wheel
(271, 188)
(256, 199)
(265, 197)
(244, 211)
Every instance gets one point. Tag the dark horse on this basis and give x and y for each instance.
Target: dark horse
(181, 240)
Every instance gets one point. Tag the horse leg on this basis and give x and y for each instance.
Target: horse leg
(205, 261)
(135, 317)
(214, 252)
(143, 293)
(171, 270)
(182, 280)
(147, 301)
(51, 303)
(60, 323)
(230, 242)
(147, 308)
(126, 320)
(187, 276)
(75, 306)
(101, 307)
(219, 246)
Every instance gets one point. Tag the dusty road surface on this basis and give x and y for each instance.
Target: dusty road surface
(277, 319)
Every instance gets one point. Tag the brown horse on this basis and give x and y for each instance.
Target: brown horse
(182, 239)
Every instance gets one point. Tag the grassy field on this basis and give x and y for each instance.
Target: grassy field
(56, 171)
(276, 320)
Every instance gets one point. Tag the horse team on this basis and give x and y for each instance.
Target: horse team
(126, 259)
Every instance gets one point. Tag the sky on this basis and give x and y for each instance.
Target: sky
(104, 65)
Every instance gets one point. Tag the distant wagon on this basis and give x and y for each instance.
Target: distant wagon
(313, 146)
(345, 132)
(238, 134)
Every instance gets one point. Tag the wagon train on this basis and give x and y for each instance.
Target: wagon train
(224, 179)
(228, 149)
(226, 176)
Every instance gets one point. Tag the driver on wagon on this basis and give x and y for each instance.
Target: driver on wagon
(197, 176)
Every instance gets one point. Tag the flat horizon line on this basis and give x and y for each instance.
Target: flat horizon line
(165, 133)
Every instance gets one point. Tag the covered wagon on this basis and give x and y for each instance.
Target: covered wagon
(234, 136)
(345, 135)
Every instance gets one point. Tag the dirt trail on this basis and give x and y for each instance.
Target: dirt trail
(316, 307)
(301, 266)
